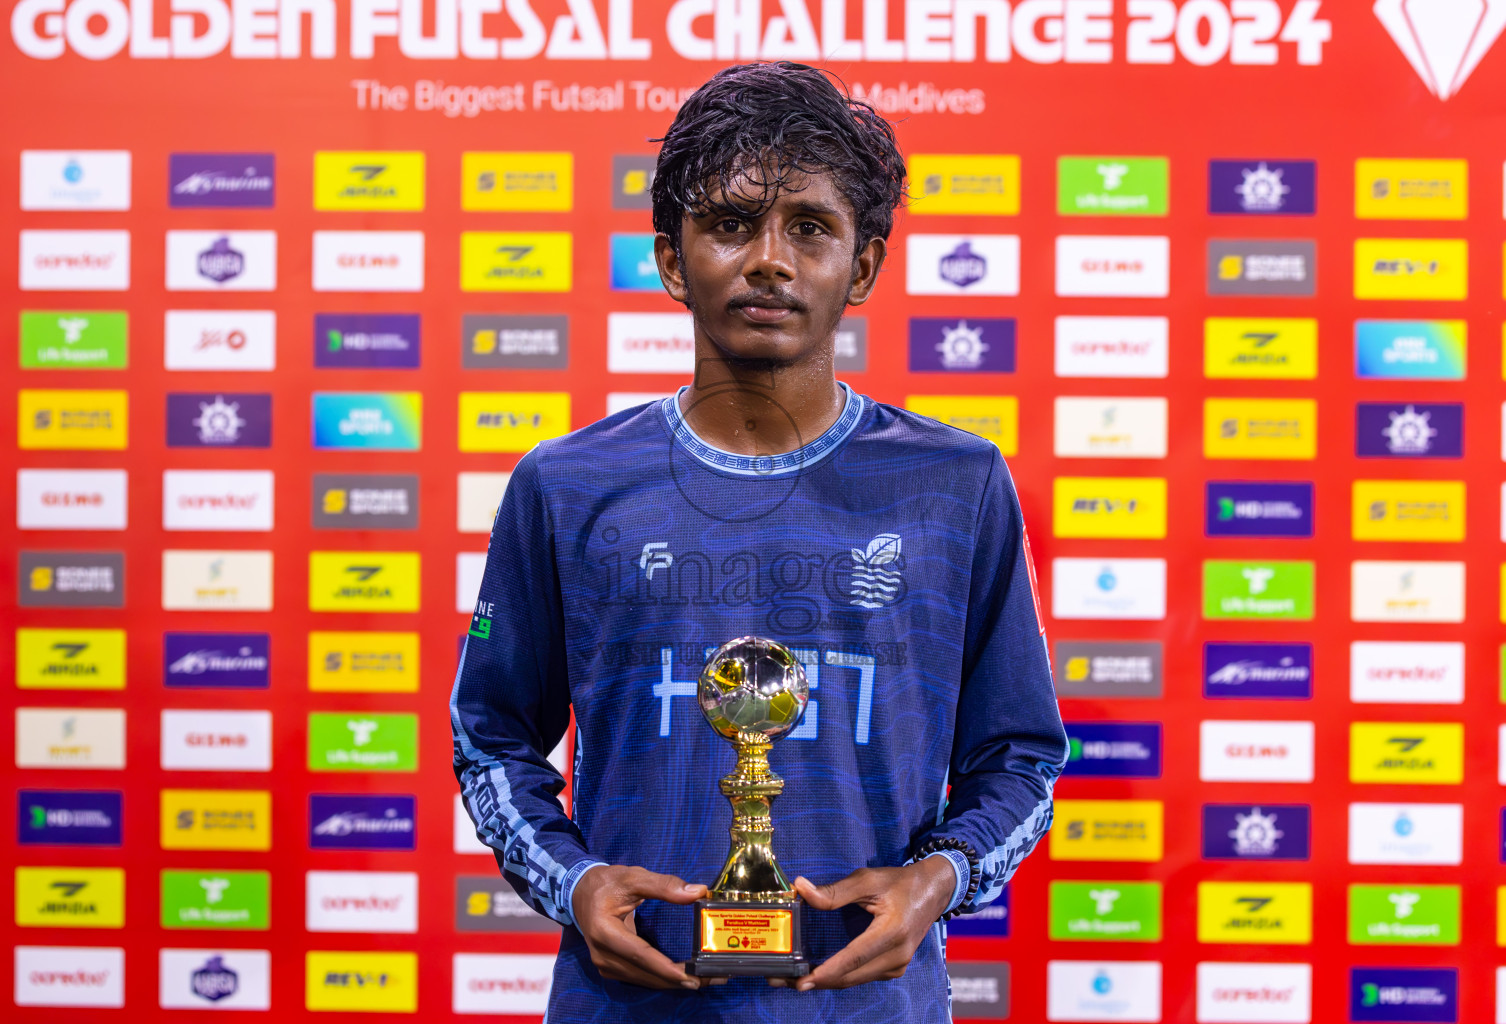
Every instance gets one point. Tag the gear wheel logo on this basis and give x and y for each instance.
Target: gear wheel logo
(1443, 40)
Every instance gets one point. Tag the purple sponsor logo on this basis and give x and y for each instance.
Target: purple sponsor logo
(963, 267)
(219, 419)
(68, 817)
(1121, 750)
(1409, 430)
(1262, 187)
(238, 661)
(214, 981)
(221, 180)
(1404, 994)
(220, 262)
(1503, 835)
(991, 922)
(344, 821)
(1258, 509)
(366, 340)
(977, 344)
(1256, 831)
(1260, 671)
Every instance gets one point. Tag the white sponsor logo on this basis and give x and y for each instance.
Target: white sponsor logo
(215, 979)
(70, 976)
(220, 339)
(1256, 751)
(464, 837)
(1501, 756)
(1254, 993)
(368, 261)
(1382, 672)
(60, 179)
(217, 499)
(1108, 588)
(1124, 266)
(1443, 41)
(75, 261)
(479, 496)
(70, 499)
(217, 741)
(1501, 995)
(1406, 592)
(217, 581)
(361, 901)
(617, 401)
(469, 567)
(1110, 428)
(1088, 990)
(962, 265)
(650, 343)
(1406, 833)
(216, 261)
(70, 738)
(508, 983)
(1112, 346)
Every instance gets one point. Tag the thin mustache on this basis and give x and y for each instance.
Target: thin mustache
(768, 299)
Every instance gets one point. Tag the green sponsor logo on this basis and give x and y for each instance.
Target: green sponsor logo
(1408, 915)
(1106, 911)
(215, 899)
(73, 340)
(1257, 590)
(1112, 186)
(362, 742)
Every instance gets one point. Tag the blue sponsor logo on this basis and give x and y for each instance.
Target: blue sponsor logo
(1404, 994)
(366, 340)
(1263, 187)
(1121, 750)
(234, 661)
(1256, 831)
(344, 821)
(1409, 349)
(633, 266)
(973, 345)
(68, 817)
(214, 981)
(1503, 835)
(1409, 430)
(991, 922)
(1258, 671)
(1235, 509)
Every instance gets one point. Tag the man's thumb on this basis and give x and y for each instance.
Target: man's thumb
(669, 888)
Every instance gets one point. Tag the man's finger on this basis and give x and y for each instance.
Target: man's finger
(632, 951)
(840, 893)
(868, 956)
(653, 886)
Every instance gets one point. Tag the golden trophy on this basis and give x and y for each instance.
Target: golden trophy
(752, 691)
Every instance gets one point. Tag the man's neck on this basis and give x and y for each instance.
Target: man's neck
(761, 412)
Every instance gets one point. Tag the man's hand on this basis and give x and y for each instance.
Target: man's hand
(905, 902)
(604, 901)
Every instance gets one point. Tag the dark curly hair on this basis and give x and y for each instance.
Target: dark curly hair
(774, 123)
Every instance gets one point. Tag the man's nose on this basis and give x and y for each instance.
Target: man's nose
(770, 255)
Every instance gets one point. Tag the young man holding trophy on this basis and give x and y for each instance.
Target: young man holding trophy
(765, 556)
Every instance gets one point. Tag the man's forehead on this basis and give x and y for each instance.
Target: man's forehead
(756, 188)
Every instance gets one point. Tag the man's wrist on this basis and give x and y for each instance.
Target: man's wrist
(572, 879)
(962, 871)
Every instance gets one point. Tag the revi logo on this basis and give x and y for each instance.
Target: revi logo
(1443, 40)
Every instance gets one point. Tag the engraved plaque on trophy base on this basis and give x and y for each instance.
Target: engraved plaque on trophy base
(737, 938)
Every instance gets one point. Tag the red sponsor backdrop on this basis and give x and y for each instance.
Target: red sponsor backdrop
(1362, 99)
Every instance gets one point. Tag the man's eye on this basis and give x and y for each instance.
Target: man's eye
(809, 227)
(728, 224)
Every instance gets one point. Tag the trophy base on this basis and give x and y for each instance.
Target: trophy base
(738, 939)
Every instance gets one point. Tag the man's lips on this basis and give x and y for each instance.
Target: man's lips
(765, 309)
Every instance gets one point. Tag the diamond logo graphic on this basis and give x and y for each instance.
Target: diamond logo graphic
(1443, 40)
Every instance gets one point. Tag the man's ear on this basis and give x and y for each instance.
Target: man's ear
(865, 270)
(671, 271)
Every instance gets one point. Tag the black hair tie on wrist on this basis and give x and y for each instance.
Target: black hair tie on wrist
(975, 871)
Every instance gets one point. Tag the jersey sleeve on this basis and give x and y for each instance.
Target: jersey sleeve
(1009, 745)
(510, 704)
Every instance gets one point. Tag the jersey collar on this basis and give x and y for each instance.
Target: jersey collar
(801, 458)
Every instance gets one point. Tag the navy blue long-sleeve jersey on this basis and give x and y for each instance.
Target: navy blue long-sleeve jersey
(889, 553)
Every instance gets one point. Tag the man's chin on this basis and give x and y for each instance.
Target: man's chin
(775, 345)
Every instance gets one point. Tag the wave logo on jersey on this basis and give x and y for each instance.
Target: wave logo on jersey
(876, 572)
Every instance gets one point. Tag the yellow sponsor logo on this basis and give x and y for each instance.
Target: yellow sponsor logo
(1412, 753)
(363, 581)
(1256, 913)
(1411, 189)
(70, 659)
(71, 420)
(1128, 508)
(517, 181)
(216, 819)
(1411, 268)
(1273, 349)
(511, 421)
(363, 662)
(70, 897)
(1501, 915)
(1260, 428)
(361, 981)
(348, 180)
(1408, 510)
(946, 184)
(1108, 830)
(515, 261)
(996, 417)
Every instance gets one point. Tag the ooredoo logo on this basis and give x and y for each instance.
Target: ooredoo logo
(361, 901)
(1229, 993)
(502, 983)
(70, 976)
(92, 261)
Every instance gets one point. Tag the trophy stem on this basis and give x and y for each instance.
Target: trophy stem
(751, 873)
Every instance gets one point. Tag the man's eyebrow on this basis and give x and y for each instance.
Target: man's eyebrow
(811, 206)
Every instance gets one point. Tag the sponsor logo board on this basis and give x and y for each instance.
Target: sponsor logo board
(478, 498)
(387, 421)
(219, 741)
(346, 180)
(1260, 428)
(1410, 349)
(1108, 588)
(1106, 911)
(216, 899)
(365, 501)
(70, 499)
(210, 261)
(507, 983)
(216, 819)
(1411, 189)
(1103, 990)
(70, 897)
(1109, 507)
(219, 419)
(976, 345)
(1127, 750)
(70, 659)
(68, 817)
(363, 581)
(1263, 187)
(1258, 509)
(511, 421)
(1113, 266)
(650, 343)
(1417, 672)
(962, 265)
(217, 581)
(486, 903)
(1406, 833)
(1110, 428)
(633, 267)
(1408, 915)
(75, 261)
(1130, 668)
(1403, 994)
(1108, 830)
(1263, 993)
(1408, 510)
(979, 990)
(1112, 346)
(367, 340)
(1245, 751)
(986, 184)
(214, 979)
(216, 660)
(1272, 348)
(491, 341)
(368, 261)
(1406, 591)
(364, 662)
(1411, 268)
(632, 180)
(70, 738)
(1257, 671)
(1269, 913)
(1112, 186)
(1406, 753)
(89, 179)
(74, 339)
(361, 901)
(990, 922)
(995, 417)
(362, 981)
(515, 261)
(71, 579)
(361, 741)
(1257, 590)
(1409, 430)
(219, 500)
(1252, 267)
(350, 821)
(220, 339)
(83, 976)
(71, 420)
(1257, 832)
(518, 182)
(222, 180)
